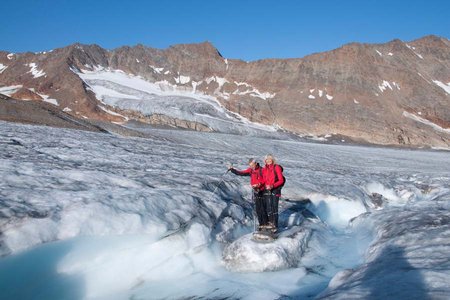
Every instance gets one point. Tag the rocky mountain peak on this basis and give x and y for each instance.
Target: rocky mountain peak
(204, 49)
(430, 40)
(80, 56)
(396, 92)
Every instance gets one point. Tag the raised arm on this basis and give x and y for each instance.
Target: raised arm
(245, 172)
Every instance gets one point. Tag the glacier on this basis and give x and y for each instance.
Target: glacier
(98, 216)
(131, 92)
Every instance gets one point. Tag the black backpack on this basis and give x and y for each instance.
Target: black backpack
(276, 176)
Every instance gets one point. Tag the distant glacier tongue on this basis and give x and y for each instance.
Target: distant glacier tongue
(97, 216)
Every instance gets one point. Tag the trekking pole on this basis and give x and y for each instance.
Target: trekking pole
(222, 178)
(253, 211)
(268, 199)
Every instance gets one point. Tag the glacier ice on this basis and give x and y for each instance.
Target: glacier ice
(95, 216)
(129, 92)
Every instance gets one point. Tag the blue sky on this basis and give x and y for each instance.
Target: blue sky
(248, 30)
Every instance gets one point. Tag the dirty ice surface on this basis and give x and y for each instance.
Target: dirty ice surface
(97, 216)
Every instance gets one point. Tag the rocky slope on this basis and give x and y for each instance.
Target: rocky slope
(39, 113)
(395, 93)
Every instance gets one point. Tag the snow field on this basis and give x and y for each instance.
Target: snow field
(126, 91)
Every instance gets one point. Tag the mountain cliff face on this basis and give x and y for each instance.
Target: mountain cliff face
(390, 94)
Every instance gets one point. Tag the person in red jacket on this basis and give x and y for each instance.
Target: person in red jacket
(257, 183)
(273, 182)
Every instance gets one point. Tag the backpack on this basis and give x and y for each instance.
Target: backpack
(276, 176)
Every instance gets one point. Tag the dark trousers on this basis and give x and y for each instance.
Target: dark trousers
(261, 208)
(271, 200)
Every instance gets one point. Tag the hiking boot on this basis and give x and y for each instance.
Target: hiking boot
(272, 228)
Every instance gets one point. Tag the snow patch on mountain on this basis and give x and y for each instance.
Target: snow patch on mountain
(251, 91)
(320, 93)
(426, 122)
(156, 69)
(242, 83)
(445, 87)
(2, 68)
(385, 84)
(9, 90)
(181, 79)
(412, 49)
(264, 96)
(35, 71)
(47, 99)
(424, 78)
(10, 56)
(220, 81)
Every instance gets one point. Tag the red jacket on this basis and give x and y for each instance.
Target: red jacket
(256, 175)
(270, 178)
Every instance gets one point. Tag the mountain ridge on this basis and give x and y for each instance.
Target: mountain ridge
(358, 90)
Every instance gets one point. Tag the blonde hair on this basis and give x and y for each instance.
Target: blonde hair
(271, 157)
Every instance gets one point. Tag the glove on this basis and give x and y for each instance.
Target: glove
(256, 186)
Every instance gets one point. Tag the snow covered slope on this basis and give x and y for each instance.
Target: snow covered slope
(129, 92)
(95, 216)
